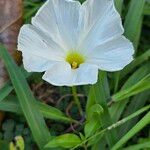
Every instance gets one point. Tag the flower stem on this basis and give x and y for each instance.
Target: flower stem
(76, 99)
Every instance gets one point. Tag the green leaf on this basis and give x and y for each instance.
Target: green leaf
(95, 110)
(26, 99)
(93, 122)
(53, 113)
(90, 102)
(133, 21)
(136, 103)
(4, 145)
(101, 145)
(133, 79)
(11, 104)
(147, 8)
(97, 140)
(91, 126)
(100, 94)
(139, 60)
(132, 26)
(5, 91)
(65, 141)
(142, 85)
(115, 125)
(139, 126)
(144, 145)
(8, 88)
(119, 5)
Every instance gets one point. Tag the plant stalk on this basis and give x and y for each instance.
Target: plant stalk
(76, 99)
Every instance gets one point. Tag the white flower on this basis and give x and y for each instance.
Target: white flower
(70, 41)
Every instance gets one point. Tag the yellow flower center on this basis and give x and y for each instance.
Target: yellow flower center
(75, 59)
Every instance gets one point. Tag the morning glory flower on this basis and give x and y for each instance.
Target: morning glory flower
(70, 41)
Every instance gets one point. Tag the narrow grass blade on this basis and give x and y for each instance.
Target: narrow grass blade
(137, 102)
(5, 91)
(138, 61)
(147, 8)
(139, 126)
(119, 5)
(26, 99)
(115, 81)
(144, 145)
(132, 26)
(117, 124)
(133, 21)
(90, 102)
(8, 88)
(142, 85)
(53, 113)
(10, 104)
(133, 79)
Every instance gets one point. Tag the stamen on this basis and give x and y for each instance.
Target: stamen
(75, 59)
(74, 65)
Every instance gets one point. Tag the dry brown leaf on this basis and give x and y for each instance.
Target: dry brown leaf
(10, 22)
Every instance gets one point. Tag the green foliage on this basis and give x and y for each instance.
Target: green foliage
(119, 5)
(93, 122)
(65, 141)
(26, 100)
(5, 91)
(142, 85)
(140, 125)
(3, 145)
(117, 124)
(133, 79)
(133, 21)
(11, 104)
(144, 145)
(137, 62)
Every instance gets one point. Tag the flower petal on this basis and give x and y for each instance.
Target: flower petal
(37, 49)
(61, 74)
(102, 23)
(60, 20)
(113, 55)
(35, 63)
